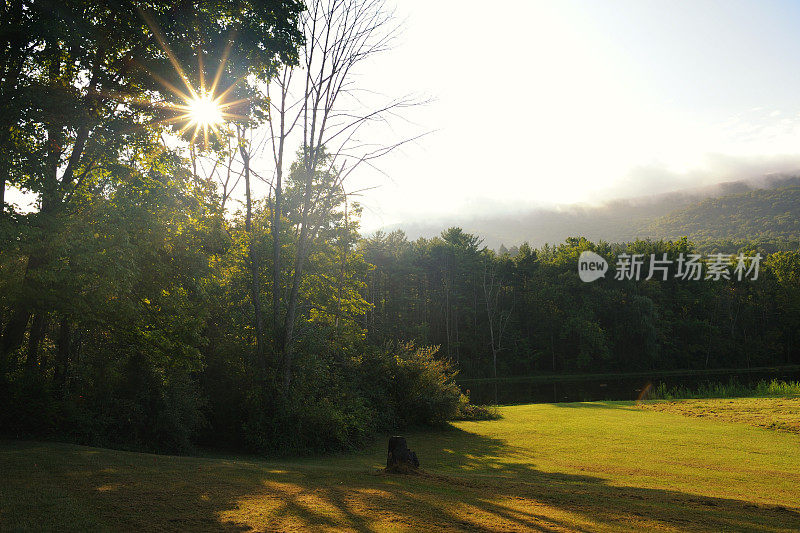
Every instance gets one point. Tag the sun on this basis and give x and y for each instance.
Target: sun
(204, 111)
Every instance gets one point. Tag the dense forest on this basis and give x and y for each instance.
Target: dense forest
(145, 303)
(530, 313)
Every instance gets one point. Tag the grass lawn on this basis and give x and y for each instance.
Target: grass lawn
(583, 466)
(782, 414)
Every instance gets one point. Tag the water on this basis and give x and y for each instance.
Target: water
(538, 389)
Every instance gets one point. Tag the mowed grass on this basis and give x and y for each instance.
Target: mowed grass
(782, 414)
(583, 466)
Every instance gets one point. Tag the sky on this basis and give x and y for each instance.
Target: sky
(536, 103)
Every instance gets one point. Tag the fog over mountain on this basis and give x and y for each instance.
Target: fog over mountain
(618, 220)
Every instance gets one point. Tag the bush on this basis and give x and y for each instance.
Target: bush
(408, 386)
(335, 403)
(303, 424)
(139, 408)
(468, 411)
(132, 407)
(340, 406)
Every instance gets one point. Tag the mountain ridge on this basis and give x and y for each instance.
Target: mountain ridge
(665, 215)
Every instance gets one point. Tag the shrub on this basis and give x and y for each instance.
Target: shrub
(301, 424)
(133, 407)
(409, 386)
(468, 411)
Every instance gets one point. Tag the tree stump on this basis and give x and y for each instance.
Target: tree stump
(401, 460)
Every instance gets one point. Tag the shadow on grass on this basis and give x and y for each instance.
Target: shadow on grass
(596, 405)
(52, 486)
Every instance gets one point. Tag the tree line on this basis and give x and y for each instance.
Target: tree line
(528, 313)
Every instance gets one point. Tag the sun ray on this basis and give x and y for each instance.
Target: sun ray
(201, 108)
(171, 120)
(167, 50)
(229, 89)
(185, 128)
(196, 131)
(227, 105)
(221, 68)
(200, 71)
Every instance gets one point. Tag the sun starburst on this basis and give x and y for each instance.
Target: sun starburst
(201, 110)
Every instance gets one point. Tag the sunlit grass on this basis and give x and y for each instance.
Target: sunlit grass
(781, 414)
(592, 466)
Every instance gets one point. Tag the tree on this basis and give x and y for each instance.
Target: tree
(83, 92)
(497, 319)
(132, 299)
(316, 102)
(253, 255)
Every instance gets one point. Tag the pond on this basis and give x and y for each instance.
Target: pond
(587, 388)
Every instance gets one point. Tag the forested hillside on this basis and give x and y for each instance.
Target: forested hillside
(772, 214)
(765, 209)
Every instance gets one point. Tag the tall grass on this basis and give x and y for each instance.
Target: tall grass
(468, 411)
(732, 389)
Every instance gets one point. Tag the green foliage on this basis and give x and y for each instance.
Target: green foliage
(326, 421)
(468, 411)
(732, 389)
(547, 321)
(386, 390)
(409, 386)
(422, 387)
(130, 300)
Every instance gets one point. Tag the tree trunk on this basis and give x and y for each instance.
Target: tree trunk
(62, 356)
(253, 264)
(13, 60)
(51, 202)
(447, 311)
(276, 219)
(37, 332)
(276, 255)
(297, 274)
(400, 459)
(342, 269)
(291, 312)
(4, 167)
(14, 333)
